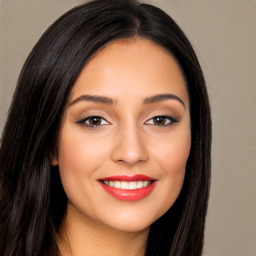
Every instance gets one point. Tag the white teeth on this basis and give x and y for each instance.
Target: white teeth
(140, 184)
(127, 184)
(132, 185)
(124, 185)
(117, 184)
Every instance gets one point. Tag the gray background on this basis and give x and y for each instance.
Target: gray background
(224, 36)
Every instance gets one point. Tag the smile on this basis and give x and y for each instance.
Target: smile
(127, 185)
(128, 188)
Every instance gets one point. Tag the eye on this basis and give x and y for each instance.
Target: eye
(162, 120)
(93, 121)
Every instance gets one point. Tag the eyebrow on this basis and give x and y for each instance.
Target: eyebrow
(110, 101)
(94, 98)
(163, 97)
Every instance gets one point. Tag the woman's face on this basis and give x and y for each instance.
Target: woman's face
(125, 136)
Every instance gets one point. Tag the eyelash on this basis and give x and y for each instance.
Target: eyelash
(90, 118)
(170, 119)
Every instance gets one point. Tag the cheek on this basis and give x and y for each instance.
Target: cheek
(81, 154)
(175, 157)
(172, 159)
(173, 153)
(79, 158)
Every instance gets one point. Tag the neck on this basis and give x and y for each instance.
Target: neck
(84, 237)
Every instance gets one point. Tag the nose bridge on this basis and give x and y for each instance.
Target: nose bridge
(130, 146)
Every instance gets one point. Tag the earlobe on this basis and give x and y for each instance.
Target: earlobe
(54, 161)
(54, 157)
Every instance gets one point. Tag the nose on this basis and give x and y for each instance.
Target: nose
(130, 147)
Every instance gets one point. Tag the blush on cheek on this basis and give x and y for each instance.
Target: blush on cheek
(175, 159)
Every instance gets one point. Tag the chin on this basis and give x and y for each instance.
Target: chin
(131, 225)
(132, 220)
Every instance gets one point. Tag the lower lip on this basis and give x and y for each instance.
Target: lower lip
(129, 194)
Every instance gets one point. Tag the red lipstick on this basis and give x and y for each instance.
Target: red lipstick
(128, 188)
(136, 177)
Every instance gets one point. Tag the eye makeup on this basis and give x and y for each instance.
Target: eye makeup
(93, 121)
(162, 120)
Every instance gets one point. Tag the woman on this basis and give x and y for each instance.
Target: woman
(106, 150)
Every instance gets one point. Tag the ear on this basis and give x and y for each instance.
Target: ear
(54, 161)
(54, 157)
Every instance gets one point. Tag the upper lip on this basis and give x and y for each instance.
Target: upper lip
(137, 177)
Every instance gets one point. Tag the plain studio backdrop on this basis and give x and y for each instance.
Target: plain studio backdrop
(223, 33)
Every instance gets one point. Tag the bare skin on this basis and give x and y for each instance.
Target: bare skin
(128, 114)
(84, 238)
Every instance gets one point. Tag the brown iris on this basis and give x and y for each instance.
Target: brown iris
(94, 120)
(159, 120)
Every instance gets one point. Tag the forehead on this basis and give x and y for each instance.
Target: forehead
(132, 66)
